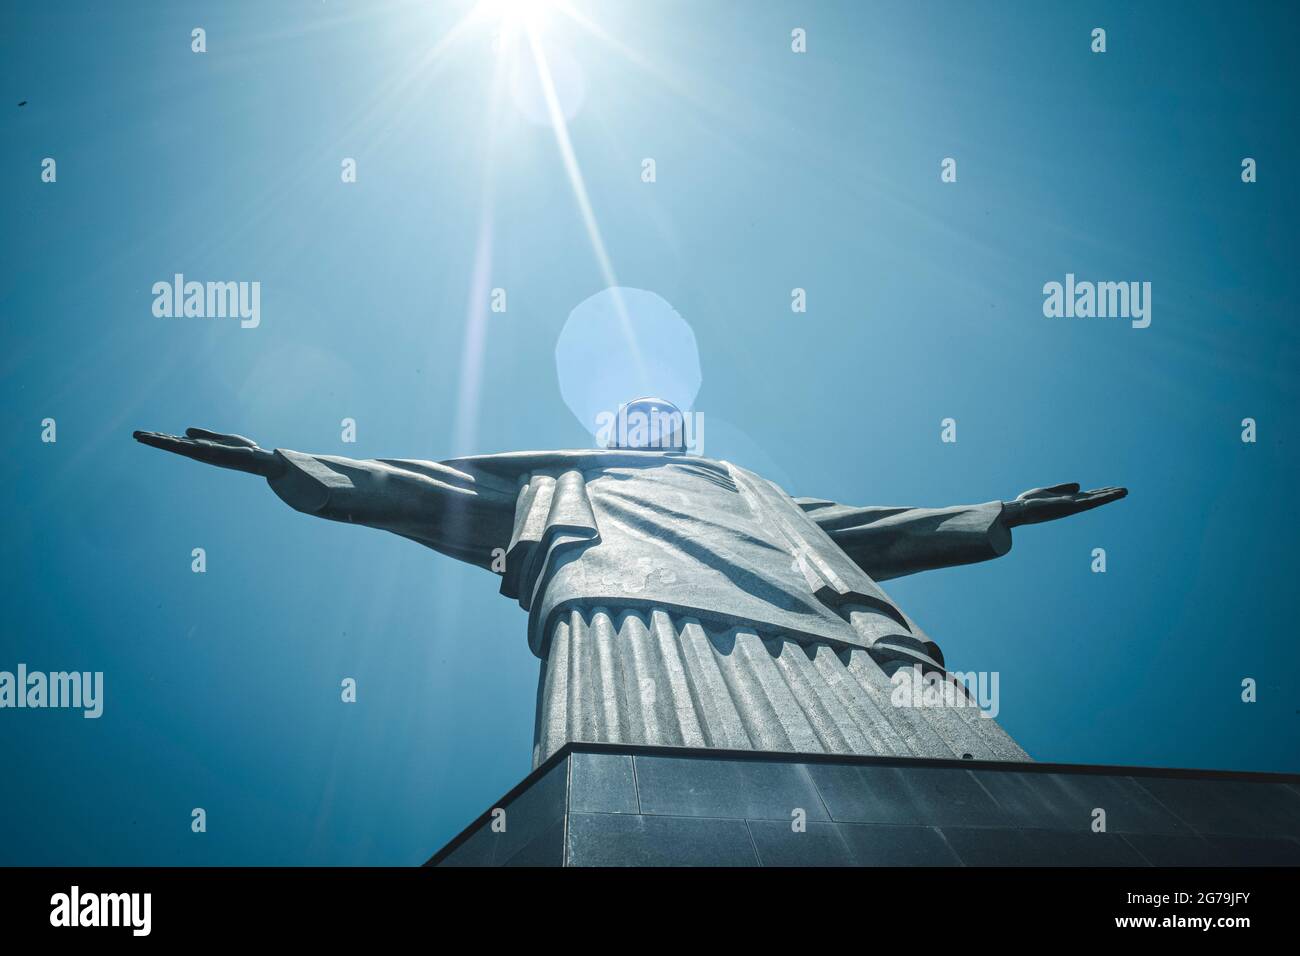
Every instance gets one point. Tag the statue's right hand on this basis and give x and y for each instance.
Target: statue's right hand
(214, 448)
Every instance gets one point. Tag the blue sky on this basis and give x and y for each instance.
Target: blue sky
(774, 170)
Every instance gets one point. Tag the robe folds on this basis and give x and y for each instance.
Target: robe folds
(723, 560)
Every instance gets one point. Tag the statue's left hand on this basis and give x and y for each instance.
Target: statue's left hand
(214, 448)
(1057, 501)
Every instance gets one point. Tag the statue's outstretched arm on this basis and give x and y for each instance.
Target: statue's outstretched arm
(891, 542)
(459, 512)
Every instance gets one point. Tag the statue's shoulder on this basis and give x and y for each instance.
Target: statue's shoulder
(582, 459)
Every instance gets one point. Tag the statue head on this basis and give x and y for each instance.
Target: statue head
(650, 424)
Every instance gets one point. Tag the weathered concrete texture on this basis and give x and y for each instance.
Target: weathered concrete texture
(652, 677)
(628, 805)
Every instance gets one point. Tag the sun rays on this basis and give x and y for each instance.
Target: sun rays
(521, 28)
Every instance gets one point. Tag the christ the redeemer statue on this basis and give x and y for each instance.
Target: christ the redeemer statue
(675, 599)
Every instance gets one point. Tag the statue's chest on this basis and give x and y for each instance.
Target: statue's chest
(700, 537)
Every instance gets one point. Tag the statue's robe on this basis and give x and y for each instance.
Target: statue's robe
(679, 600)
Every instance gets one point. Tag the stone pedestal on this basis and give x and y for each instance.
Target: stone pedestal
(616, 805)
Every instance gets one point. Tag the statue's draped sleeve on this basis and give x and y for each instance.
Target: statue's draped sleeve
(454, 508)
(891, 542)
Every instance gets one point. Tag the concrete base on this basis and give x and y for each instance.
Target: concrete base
(616, 805)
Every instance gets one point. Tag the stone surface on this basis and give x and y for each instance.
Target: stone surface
(632, 805)
(928, 796)
(602, 783)
(532, 819)
(600, 839)
(748, 790)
